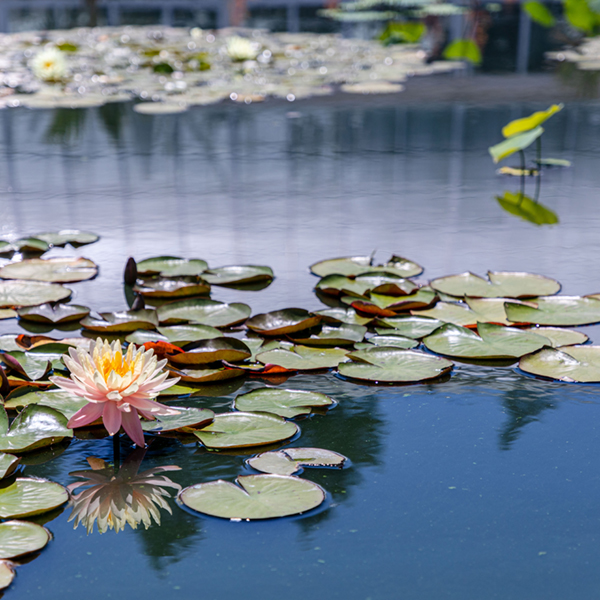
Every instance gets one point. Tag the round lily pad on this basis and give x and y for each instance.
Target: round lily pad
(338, 335)
(118, 322)
(452, 312)
(68, 236)
(255, 497)
(187, 417)
(205, 312)
(282, 322)
(29, 496)
(209, 351)
(409, 326)
(188, 333)
(572, 364)
(556, 310)
(501, 284)
(343, 315)
(291, 460)
(54, 314)
(560, 337)
(245, 429)
(172, 288)
(141, 336)
(236, 275)
(285, 403)
(303, 358)
(338, 285)
(490, 341)
(7, 573)
(17, 294)
(21, 537)
(171, 266)
(392, 340)
(393, 365)
(357, 265)
(53, 270)
(64, 402)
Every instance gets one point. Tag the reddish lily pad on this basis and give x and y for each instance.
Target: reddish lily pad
(209, 351)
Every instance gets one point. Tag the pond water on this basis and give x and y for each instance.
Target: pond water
(484, 486)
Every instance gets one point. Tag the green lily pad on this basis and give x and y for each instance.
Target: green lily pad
(32, 245)
(291, 460)
(130, 320)
(53, 270)
(560, 337)
(171, 266)
(54, 314)
(394, 365)
(387, 306)
(303, 358)
(172, 288)
(29, 496)
(490, 341)
(337, 335)
(501, 284)
(205, 312)
(21, 537)
(33, 428)
(180, 335)
(393, 285)
(572, 364)
(285, 403)
(141, 336)
(202, 376)
(8, 464)
(255, 497)
(29, 365)
(68, 236)
(187, 417)
(343, 315)
(489, 310)
(414, 327)
(562, 311)
(17, 294)
(282, 322)
(64, 402)
(357, 265)
(389, 339)
(209, 351)
(245, 429)
(7, 573)
(237, 275)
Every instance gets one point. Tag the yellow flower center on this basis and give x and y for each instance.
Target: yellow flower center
(115, 362)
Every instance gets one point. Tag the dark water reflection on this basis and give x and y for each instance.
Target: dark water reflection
(484, 486)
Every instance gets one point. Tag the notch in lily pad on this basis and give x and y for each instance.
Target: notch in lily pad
(292, 460)
(54, 314)
(352, 266)
(285, 403)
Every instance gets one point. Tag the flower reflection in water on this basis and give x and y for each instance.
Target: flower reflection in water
(116, 497)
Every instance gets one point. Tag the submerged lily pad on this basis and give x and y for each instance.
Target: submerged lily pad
(245, 429)
(52, 270)
(117, 322)
(572, 364)
(172, 288)
(29, 496)
(209, 351)
(501, 284)
(303, 358)
(556, 310)
(490, 341)
(54, 314)
(238, 275)
(171, 266)
(21, 537)
(285, 403)
(282, 322)
(205, 312)
(414, 327)
(187, 417)
(33, 428)
(356, 265)
(291, 460)
(255, 497)
(68, 236)
(393, 365)
(17, 294)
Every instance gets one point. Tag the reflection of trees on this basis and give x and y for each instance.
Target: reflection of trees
(522, 407)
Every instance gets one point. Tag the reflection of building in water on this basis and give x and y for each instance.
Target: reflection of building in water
(116, 497)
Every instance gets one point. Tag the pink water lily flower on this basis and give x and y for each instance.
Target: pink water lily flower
(119, 387)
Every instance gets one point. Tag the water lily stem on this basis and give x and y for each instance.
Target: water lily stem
(522, 154)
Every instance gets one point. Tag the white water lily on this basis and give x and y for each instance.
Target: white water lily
(240, 49)
(49, 65)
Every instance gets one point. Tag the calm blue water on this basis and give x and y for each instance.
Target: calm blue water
(482, 487)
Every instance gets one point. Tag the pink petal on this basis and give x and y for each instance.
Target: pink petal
(111, 417)
(133, 427)
(86, 415)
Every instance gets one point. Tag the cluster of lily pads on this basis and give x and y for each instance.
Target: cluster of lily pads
(381, 326)
(169, 69)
